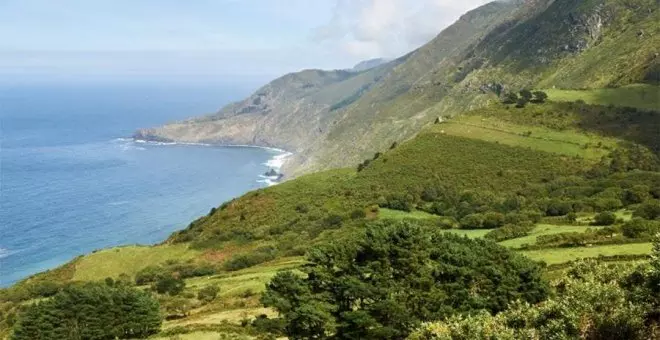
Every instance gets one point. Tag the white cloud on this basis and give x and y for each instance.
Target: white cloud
(388, 28)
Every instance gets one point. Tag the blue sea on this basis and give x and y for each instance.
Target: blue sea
(72, 181)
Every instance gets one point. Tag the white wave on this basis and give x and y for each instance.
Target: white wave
(278, 161)
(6, 253)
(269, 182)
(149, 142)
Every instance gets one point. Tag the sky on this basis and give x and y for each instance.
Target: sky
(210, 38)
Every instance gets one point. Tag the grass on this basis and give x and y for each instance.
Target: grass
(391, 214)
(563, 255)
(542, 229)
(254, 278)
(127, 260)
(204, 335)
(641, 96)
(471, 233)
(569, 142)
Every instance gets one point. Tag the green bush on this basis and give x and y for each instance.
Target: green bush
(510, 231)
(638, 228)
(472, 221)
(590, 303)
(399, 202)
(208, 293)
(604, 218)
(649, 210)
(168, 284)
(150, 274)
(242, 261)
(558, 208)
(493, 220)
(358, 214)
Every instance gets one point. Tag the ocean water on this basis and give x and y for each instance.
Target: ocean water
(71, 181)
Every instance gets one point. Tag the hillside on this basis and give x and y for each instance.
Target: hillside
(332, 119)
(429, 143)
(531, 166)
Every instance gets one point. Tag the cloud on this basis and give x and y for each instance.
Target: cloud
(388, 28)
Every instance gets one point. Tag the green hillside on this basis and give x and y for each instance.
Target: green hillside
(526, 47)
(413, 150)
(496, 167)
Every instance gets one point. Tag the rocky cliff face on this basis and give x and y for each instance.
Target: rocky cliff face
(287, 113)
(337, 118)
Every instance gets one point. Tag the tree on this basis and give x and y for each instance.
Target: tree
(540, 97)
(649, 210)
(168, 284)
(590, 303)
(208, 293)
(510, 98)
(604, 218)
(91, 311)
(526, 95)
(472, 221)
(395, 275)
(493, 220)
(521, 102)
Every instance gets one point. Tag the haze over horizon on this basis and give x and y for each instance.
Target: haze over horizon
(229, 38)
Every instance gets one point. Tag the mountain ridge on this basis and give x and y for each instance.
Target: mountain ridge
(331, 119)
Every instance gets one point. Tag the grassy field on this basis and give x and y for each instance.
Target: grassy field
(128, 260)
(542, 229)
(385, 213)
(566, 142)
(641, 96)
(563, 255)
(205, 335)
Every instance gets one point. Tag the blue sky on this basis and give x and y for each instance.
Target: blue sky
(232, 38)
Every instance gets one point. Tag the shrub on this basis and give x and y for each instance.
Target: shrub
(493, 220)
(521, 102)
(149, 274)
(472, 221)
(558, 208)
(242, 261)
(590, 303)
(640, 228)
(399, 202)
(571, 217)
(208, 293)
(430, 194)
(649, 210)
(510, 98)
(510, 231)
(267, 325)
(604, 218)
(358, 214)
(333, 221)
(302, 208)
(540, 97)
(170, 285)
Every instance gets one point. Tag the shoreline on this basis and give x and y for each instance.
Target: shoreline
(273, 164)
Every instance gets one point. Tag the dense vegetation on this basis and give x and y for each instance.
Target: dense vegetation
(90, 311)
(568, 172)
(395, 275)
(592, 301)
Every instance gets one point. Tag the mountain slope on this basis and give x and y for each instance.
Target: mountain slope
(286, 113)
(333, 118)
(563, 43)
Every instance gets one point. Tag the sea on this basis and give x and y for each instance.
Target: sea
(72, 180)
